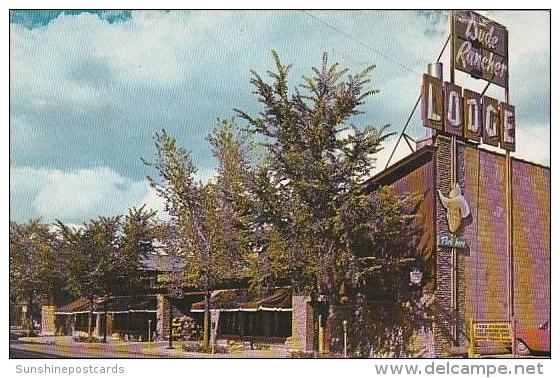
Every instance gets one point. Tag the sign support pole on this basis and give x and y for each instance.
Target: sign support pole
(509, 233)
(454, 267)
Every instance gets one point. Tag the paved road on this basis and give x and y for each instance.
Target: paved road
(32, 350)
(20, 353)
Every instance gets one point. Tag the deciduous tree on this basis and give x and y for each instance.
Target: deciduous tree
(35, 265)
(92, 255)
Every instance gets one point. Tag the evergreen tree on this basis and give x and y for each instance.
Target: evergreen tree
(309, 189)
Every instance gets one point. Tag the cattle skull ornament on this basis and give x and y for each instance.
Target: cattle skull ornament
(456, 206)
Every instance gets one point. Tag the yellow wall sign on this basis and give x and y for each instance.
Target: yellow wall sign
(492, 332)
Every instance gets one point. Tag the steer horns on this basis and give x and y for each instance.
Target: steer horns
(456, 206)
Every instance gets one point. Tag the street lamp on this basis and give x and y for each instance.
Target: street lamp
(345, 329)
(415, 277)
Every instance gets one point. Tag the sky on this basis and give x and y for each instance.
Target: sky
(89, 89)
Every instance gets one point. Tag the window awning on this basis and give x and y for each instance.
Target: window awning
(78, 306)
(114, 305)
(277, 299)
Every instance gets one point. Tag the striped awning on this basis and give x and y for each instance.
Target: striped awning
(277, 299)
(114, 305)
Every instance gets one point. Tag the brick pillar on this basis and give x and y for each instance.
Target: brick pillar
(462, 258)
(302, 325)
(97, 328)
(163, 309)
(109, 324)
(47, 320)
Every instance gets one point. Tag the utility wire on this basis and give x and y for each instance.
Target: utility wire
(347, 35)
(414, 108)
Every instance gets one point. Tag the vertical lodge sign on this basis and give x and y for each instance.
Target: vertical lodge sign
(480, 47)
(447, 108)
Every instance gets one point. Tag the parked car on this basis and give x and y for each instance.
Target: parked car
(533, 341)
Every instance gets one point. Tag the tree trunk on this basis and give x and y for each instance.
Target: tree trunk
(29, 317)
(90, 319)
(330, 327)
(206, 331)
(106, 324)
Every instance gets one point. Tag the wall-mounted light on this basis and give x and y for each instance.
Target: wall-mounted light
(415, 277)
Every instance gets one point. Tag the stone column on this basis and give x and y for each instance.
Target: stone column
(163, 309)
(48, 326)
(302, 325)
(444, 313)
(446, 319)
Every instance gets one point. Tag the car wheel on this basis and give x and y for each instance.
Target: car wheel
(521, 348)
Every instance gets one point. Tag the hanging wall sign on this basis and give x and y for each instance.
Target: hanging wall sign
(456, 208)
(449, 109)
(451, 241)
(480, 47)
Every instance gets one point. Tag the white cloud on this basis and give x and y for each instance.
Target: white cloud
(79, 195)
(86, 93)
(205, 175)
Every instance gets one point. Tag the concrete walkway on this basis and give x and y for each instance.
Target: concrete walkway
(66, 347)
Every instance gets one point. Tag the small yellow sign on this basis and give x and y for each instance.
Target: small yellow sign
(492, 332)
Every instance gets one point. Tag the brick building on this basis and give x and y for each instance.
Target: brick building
(489, 284)
(479, 289)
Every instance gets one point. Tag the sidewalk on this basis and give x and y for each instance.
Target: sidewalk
(65, 346)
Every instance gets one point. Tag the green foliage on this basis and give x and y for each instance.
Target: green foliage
(315, 222)
(35, 265)
(104, 257)
(233, 187)
(91, 253)
(212, 220)
(314, 167)
(139, 230)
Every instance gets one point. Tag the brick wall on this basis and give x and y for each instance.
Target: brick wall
(487, 267)
(421, 182)
(531, 243)
(483, 270)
